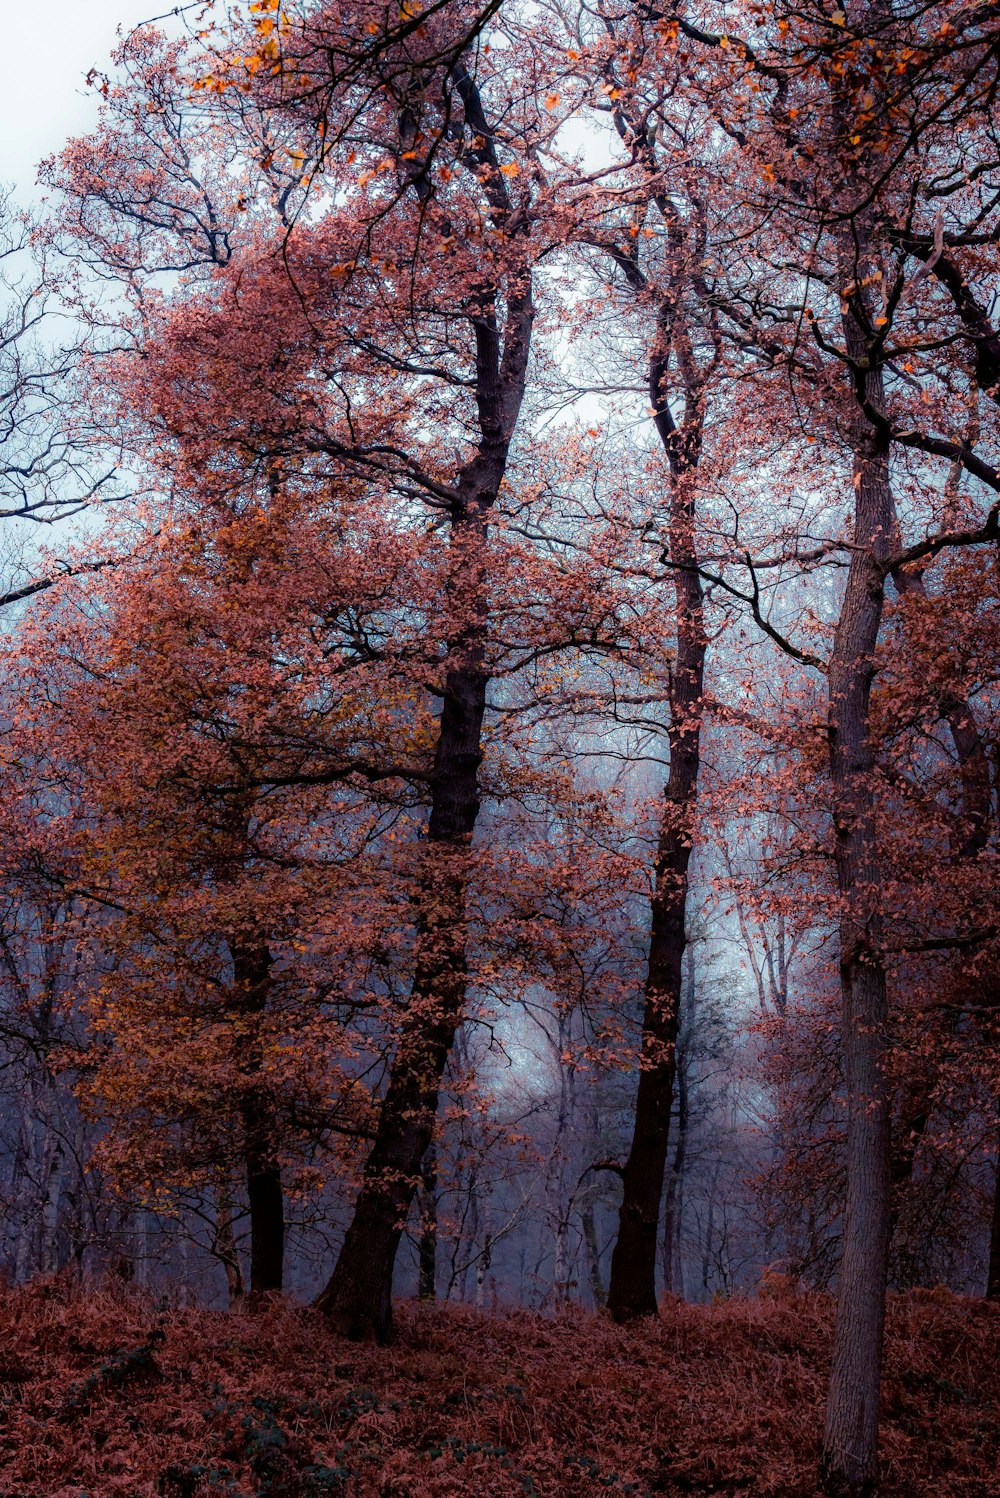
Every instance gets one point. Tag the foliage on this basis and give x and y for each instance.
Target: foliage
(714, 1399)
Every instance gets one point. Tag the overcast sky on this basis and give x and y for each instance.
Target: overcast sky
(44, 99)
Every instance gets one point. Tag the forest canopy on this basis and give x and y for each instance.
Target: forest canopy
(500, 768)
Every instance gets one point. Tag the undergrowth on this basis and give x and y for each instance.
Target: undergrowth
(104, 1395)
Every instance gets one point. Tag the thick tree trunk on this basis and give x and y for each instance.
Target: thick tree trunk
(849, 1462)
(266, 1201)
(358, 1297)
(633, 1262)
(632, 1291)
(252, 977)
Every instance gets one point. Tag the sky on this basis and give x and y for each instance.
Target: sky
(44, 99)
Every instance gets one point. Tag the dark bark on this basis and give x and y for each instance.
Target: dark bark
(976, 324)
(875, 1173)
(850, 1443)
(632, 1291)
(993, 1268)
(358, 1297)
(267, 1212)
(427, 1280)
(993, 1272)
(675, 1185)
(252, 975)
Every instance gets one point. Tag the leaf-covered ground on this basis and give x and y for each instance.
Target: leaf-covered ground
(104, 1395)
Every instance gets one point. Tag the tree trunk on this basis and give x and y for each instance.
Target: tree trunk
(225, 1244)
(427, 1278)
(266, 1201)
(184, 1296)
(469, 1232)
(709, 1239)
(252, 977)
(993, 1271)
(53, 1171)
(589, 1225)
(140, 1248)
(675, 1185)
(482, 1270)
(358, 1297)
(26, 1186)
(849, 1461)
(632, 1291)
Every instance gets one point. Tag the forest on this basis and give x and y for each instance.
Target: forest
(500, 756)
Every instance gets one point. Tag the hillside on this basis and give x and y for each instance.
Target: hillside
(107, 1395)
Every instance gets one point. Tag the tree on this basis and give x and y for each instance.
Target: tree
(186, 717)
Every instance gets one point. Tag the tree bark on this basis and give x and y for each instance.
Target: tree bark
(358, 1297)
(225, 1244)
(850, 1443)
(993, 1270)
(427, 1276)
(588, 1223)
(675, 1185)
(632, 1291)
(252, 976)
(266, 1201)
(53, 1171)
(25, 1184)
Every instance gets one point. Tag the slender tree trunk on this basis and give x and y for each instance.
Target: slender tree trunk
(184, 1296)
(675, 1183)
(632, 1290)
(560, 1259)
(482, 1270)
(993, 1271)
(358, 1297)
(709, 1239)
(473, 1236)
(140, 1247)
(26, 1189)
(850, 1444)
(555, 1184)
(225, 1244)
(427, 1281)
(53, 1171)
(124, 1262)
(589, 1226)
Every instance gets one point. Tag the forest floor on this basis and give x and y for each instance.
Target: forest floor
(105, 1395)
